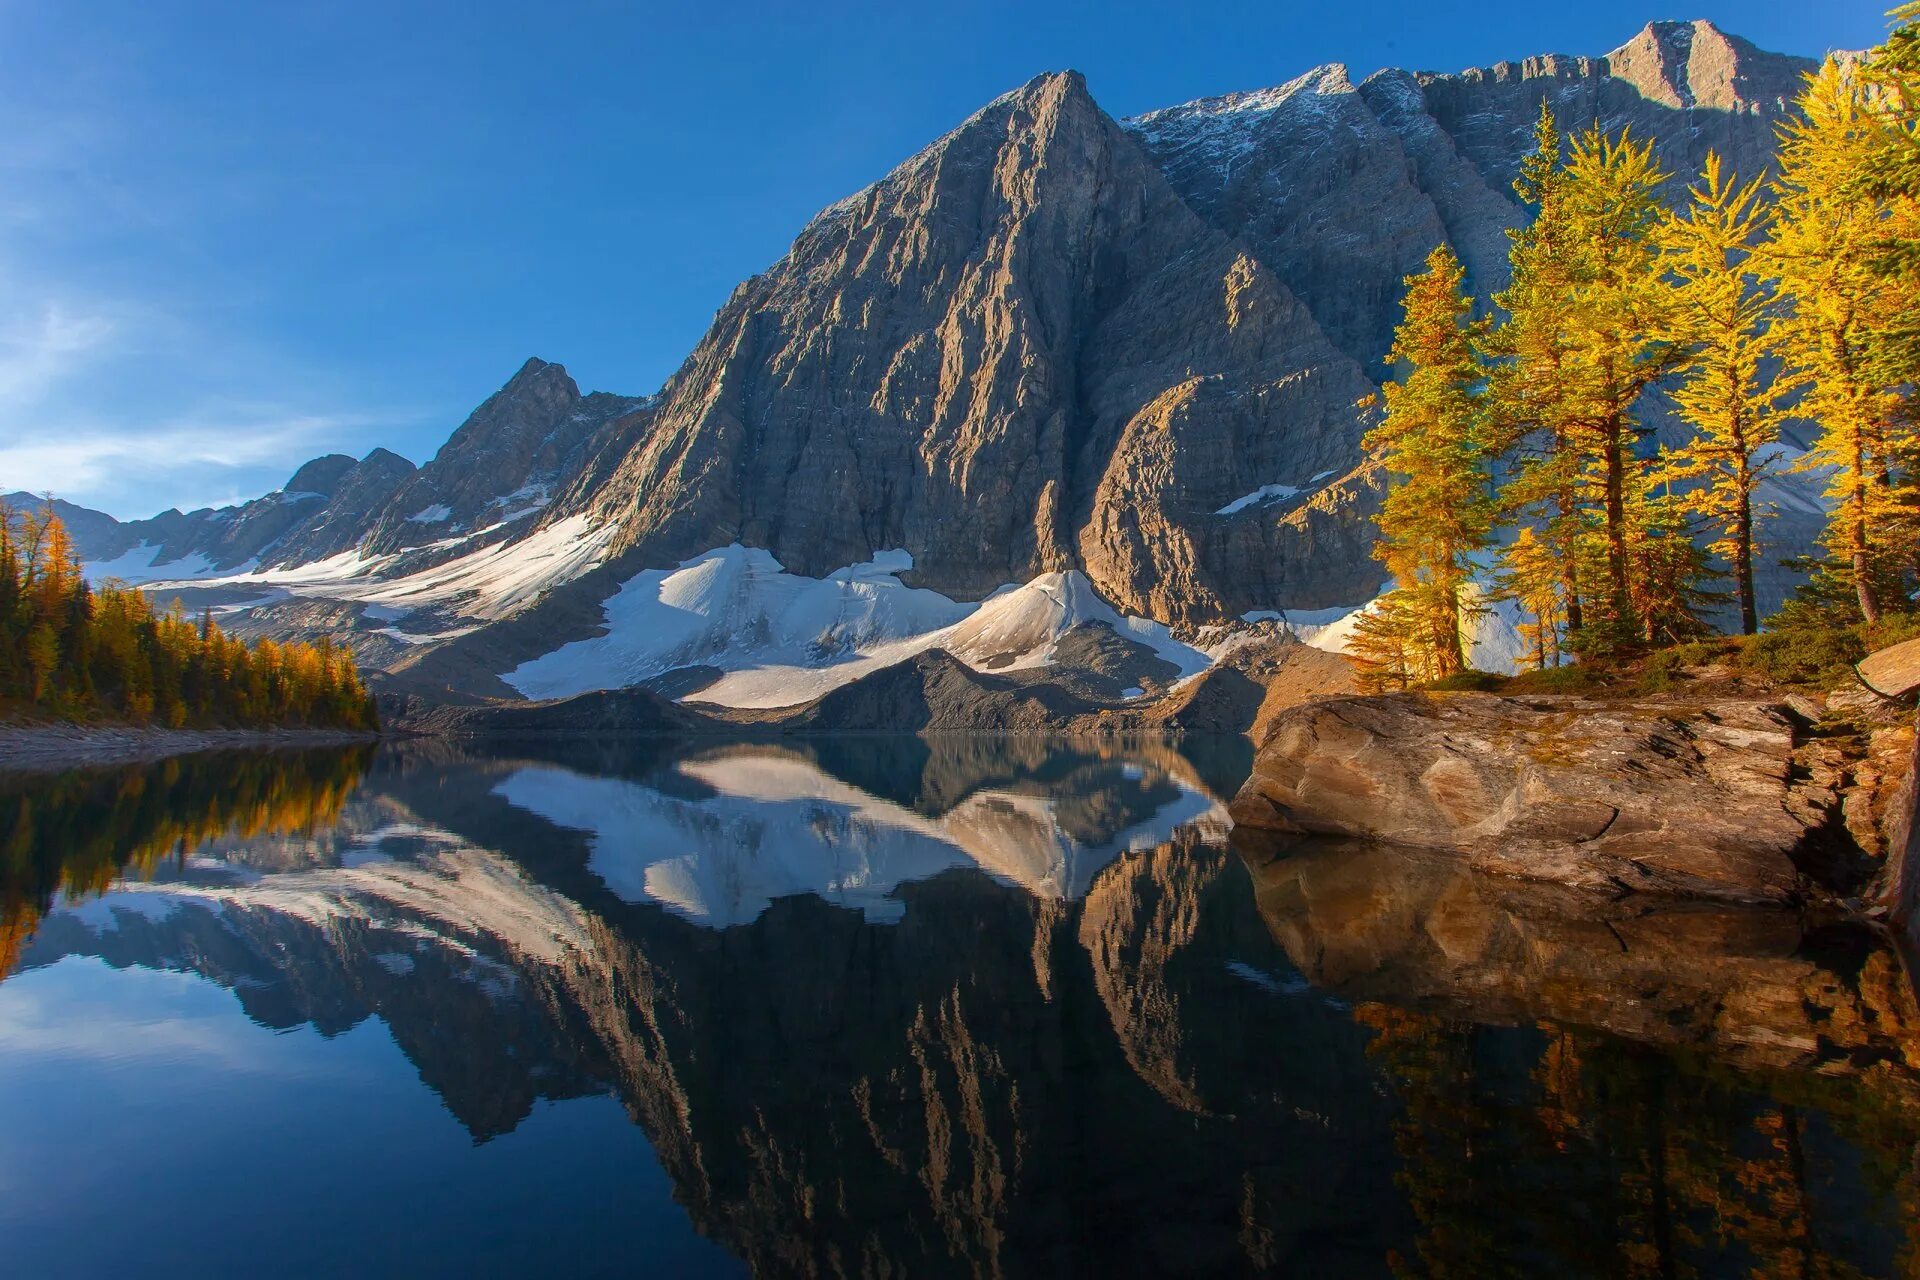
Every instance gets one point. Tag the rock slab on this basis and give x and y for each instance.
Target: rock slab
(1698, 799)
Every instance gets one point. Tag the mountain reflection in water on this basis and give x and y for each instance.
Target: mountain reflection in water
(891, 1006)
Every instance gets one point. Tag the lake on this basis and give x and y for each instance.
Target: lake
(885, 1006)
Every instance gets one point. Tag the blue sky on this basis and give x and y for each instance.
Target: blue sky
(235, 236)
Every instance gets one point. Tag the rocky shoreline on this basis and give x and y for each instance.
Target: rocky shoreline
(44, 748)
(1732, 799)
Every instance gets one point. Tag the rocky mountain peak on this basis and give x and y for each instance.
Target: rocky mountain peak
(539, 391)
(980, 358)
(321, 475)
(1692, 65)
(387, 460)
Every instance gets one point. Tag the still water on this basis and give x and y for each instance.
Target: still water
(890, 1007)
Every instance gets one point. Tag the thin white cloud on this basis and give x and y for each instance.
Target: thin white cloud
(171, 457)
(38, 351)
(110, 403)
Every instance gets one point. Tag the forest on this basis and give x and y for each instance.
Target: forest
(1522, 461)
(71, 650)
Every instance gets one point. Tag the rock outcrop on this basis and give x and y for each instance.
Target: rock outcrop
(1705, 799)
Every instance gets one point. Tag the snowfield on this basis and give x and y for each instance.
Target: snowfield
(778, 639)
(783, 639)
(491, 583)
(136, 567)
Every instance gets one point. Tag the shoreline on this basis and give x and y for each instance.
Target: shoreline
(48, 748)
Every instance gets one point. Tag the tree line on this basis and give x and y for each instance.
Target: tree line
(72, 650)
(1520, 464)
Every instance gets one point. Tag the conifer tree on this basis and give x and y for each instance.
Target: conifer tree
(1439, 509)
(1532, 575)
(1720, 320)
(1616, 314)
(74, 651)
(1584, 335)
(1529, 385)
(1384, 647)
(1840, 299)
(1894, 69)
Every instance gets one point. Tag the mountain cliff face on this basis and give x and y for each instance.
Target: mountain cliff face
(987, 359)
(1051, 341)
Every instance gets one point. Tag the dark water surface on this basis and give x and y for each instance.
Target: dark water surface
(881, 1007)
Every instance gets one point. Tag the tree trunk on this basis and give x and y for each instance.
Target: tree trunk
(1743, 553)
(1862, 565)
(1617, 589)
(1569, 560)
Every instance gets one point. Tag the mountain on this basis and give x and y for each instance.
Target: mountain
(498, 469)
(1119, 355)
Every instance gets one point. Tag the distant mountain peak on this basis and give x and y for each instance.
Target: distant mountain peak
(1697, 65)
(320, 475)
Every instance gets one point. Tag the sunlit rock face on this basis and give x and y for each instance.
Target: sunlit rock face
(1708, 798)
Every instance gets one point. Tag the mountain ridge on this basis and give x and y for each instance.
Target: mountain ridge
(1049, 340)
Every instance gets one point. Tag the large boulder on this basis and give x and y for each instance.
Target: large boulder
(1703, 799)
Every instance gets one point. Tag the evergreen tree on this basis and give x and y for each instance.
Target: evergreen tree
(1439, 509)
(1720, 320)
(1528, 386)
(70, 650)
(1841, 304)
(1586, 332)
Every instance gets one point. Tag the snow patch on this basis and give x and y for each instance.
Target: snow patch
(490, 583)
(137, 566)
(434, 514)
(783, 639)
(1264, 494)
(103, 913)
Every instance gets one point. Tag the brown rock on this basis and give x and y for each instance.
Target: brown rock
(1697, 799)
